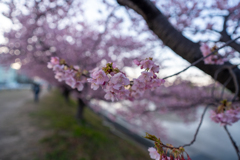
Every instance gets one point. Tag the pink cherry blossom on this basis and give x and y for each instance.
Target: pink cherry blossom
(71, 82)
(50, 65)
(227, 117)
(54, 60)
(146, 64)
(157, 82)
(213, 59)
(155, 69)
(136, 62)
(94, 84)
(79, 85)
(59, 76)
(114, 83)
(109, 96)
(57, 68)
(64, 73)
(145, 76)
(120, 79)
(99, 76)
(205, 49)
(115, 87)
(153, 153)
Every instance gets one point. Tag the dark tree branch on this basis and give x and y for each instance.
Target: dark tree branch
(171, 37)
(225, 22)
(199, 60)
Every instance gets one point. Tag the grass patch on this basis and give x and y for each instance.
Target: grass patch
(70, 140)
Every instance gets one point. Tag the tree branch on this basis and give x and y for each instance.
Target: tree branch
(233, 142)
(199, 60)
(199, 125)
(171, 37)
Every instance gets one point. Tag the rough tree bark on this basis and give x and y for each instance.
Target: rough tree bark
(174, 39)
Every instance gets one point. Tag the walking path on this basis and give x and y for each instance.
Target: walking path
(19, 138)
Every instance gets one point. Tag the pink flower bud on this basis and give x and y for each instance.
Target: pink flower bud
(136, 62)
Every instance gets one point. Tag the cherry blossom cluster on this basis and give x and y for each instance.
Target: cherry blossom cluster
(112, 80)
(118, 86)
(213, 59)
(148, 78)
(160, 151)
(72, 75)
(225, 114)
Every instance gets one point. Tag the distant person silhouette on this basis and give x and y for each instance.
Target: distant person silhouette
(36, 90)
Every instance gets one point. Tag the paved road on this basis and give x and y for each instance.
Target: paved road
(18, 137)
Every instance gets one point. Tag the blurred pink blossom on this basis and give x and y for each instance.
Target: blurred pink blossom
(153, 153)
(226, 118)
(213, 59)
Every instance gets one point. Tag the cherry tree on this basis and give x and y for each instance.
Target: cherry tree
(41, 33)
(36, 39)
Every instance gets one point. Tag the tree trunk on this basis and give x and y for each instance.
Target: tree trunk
(174, 39)
(66, 93)
(80, 109)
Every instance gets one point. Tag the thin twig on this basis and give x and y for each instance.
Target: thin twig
(199, 125)
(224, 85)
(233, 142)
(195, 135)
(215, 78)
(199, 60)
(235, 82)
(233, 76)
